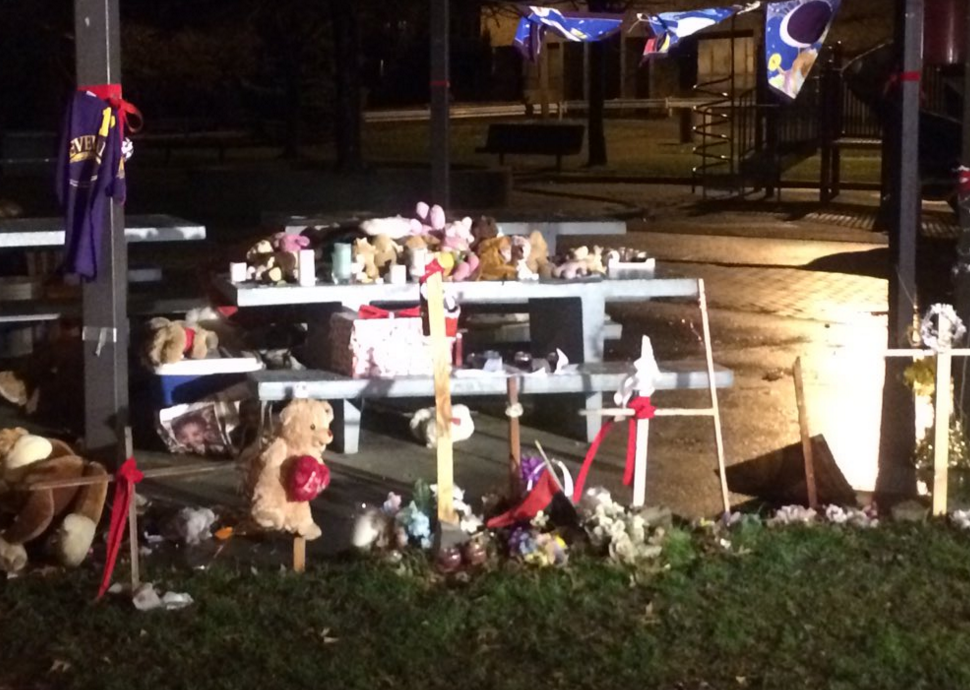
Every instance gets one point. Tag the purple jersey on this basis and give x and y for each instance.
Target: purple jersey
(90, 171)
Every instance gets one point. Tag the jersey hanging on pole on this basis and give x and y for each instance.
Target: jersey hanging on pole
(794, 33)
(572, 26)
(90, 173)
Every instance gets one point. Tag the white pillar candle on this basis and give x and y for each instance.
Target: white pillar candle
(418, 262)
(238, 272)
(398, 274)
(307, 269)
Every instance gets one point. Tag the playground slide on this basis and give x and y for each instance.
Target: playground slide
(870, 77)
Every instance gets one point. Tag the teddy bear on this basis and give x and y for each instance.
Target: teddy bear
(287, 248)
(263, 263)
(364, 259)
(571, 268)
(171, 341)
(494, 256)
(483, 228)
(386, 252)
(538, 259)
(457, 236)
(283, 477)
(26, 460)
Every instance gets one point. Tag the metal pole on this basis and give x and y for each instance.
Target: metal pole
(105, 333)
(898, 426)
(440, 91)
(962, 272)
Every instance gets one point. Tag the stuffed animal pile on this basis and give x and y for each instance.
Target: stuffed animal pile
(65, 519)
(168, 342)
(466, 249)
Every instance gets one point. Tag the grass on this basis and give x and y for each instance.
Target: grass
(784, 608)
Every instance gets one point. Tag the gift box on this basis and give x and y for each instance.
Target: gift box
(377, 343)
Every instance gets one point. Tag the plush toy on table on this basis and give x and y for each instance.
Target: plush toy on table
(364, 268)
(521, 250)
(386, 252)
(65, 518)
(172, 341)
(289, 472)
(265, 264)
(538, 259)
(287, 248)
(495, 257)
(483, 228)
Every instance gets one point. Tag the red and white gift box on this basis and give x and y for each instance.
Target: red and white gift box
(378, 343)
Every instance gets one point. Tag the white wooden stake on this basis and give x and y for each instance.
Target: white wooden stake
(941, 416)
(718, 439)
(640, 466)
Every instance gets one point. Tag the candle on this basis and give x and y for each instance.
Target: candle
(398, 274)
(238, 272)
(307, 268)
(341, 261)
(418, 262)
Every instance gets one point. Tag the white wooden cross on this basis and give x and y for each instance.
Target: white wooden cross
(943, 403)
(642, 382)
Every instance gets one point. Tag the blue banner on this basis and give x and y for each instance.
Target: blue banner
(669, 28)
(573, 26)
(794, 33)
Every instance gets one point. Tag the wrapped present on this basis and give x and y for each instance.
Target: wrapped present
(378, 343)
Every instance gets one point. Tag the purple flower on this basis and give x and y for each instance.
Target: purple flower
(530, 467)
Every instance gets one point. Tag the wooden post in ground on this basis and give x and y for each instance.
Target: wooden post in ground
(941, 418)
(803, 428)
(709, 353)
(515, 448)
(299, 554)
(442, 398)
(133, 521)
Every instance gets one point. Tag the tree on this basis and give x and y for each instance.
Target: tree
(347, 55)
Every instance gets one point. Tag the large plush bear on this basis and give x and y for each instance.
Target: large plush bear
(65, 517)
(290, 471)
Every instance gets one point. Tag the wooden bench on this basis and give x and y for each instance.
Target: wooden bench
(342, 392)
(535, 139)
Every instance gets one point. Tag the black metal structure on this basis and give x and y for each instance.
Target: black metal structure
(105, 331)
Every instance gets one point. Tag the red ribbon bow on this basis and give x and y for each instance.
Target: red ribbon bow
(127, 476)
(642, 409)
(430, 269)
(111, 93)
(370, 312)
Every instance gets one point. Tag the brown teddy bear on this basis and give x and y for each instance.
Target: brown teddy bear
(172, 341)
(364, 259)
(494, 257)
(483, 228)
(275, 502)
(538, 259)
(26, 460)
(386, 252)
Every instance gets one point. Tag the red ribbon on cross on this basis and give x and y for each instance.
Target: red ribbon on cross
(430, 269)
(642, 409)
(125, 479)
(111, 93)
(370, 312)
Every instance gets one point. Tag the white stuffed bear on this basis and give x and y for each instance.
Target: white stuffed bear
(425, 429)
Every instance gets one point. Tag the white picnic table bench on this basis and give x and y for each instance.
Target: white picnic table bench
(587, 380)
(566, 314)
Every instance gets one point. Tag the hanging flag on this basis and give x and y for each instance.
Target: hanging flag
(794, 33)
(669, 28)
(573, 26)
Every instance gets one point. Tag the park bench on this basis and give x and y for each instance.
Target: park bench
(534, 139)
(588, 380)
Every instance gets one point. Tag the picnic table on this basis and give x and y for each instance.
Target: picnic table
(48, 233)
(566, 314)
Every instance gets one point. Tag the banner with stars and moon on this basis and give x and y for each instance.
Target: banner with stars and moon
(794, 33)
(667, 29)
(573, 26)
